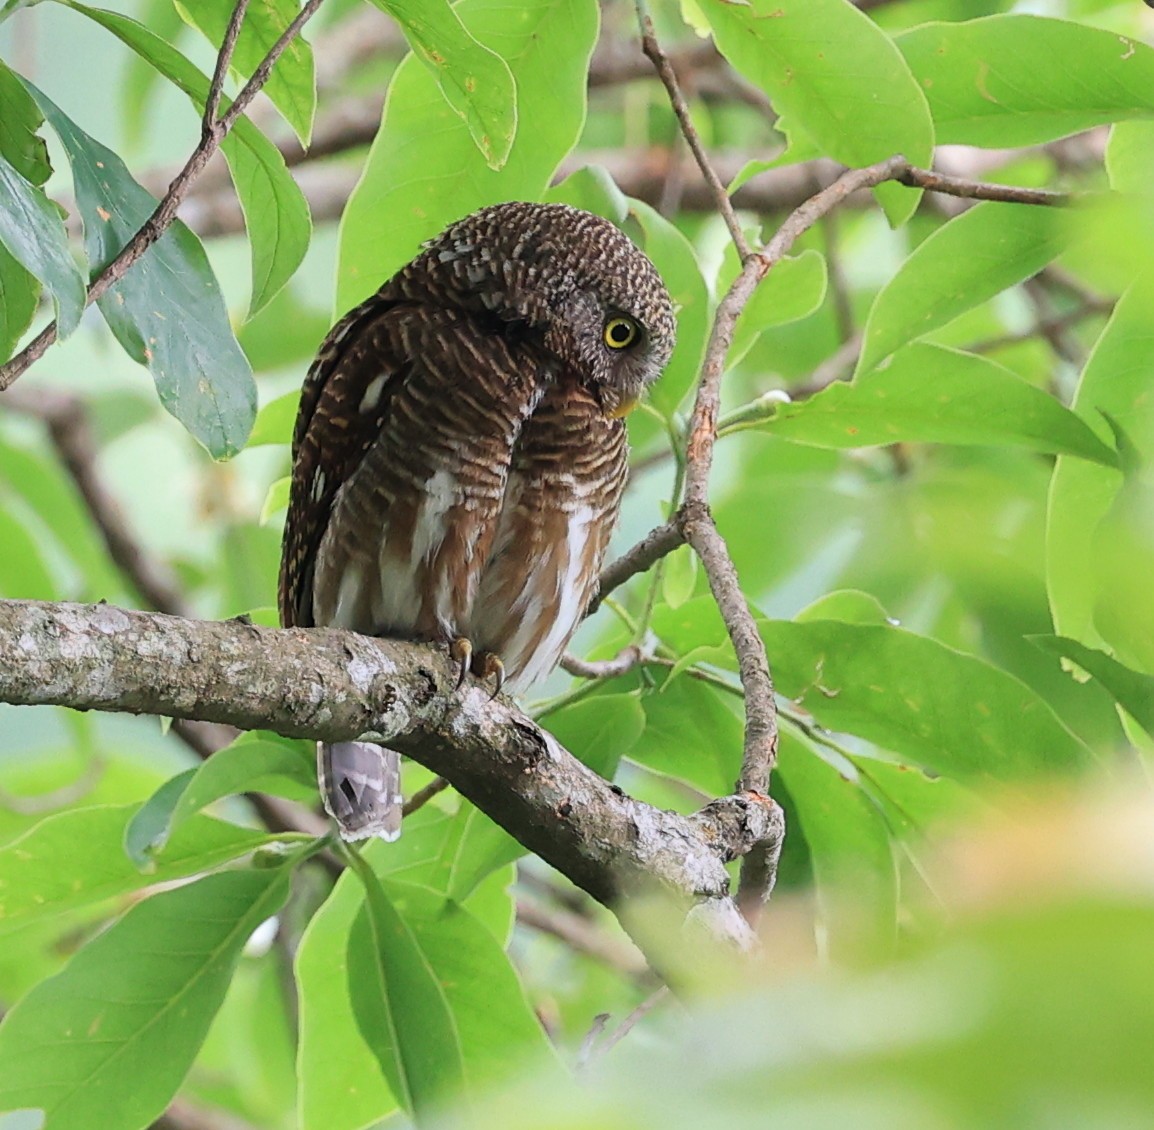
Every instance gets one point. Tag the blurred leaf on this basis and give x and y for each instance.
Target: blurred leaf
(167, 312)
(599, 730)
(929, 394)
(33, 232)
(966, 261)
(275, 421)
(1130, 157)
(679, 578)
(849, 843)
(592, 188)
(140, 78)
(254, 763)
(1020, 79)
(276, 213)
(19, 299)
(673, 256)
(291, 86)
(1114, 381)
(415, 954)
(108, 1041)
(276, 498)
(474, 80)
(794, 289)
(1133, 691)
(423, 171)
(19, 143)
(836, 78)
(75, 858)
(24, 574)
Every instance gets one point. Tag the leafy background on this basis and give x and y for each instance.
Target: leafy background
(950, 557)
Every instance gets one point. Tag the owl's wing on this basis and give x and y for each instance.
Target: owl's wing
(357, 368)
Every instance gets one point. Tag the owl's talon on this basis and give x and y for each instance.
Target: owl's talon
(490, 666)
(461, 650)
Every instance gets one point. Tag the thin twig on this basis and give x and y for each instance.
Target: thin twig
(627, 1025)
(643, 556)
(223, 62)
(212, 135)
(422, 796)
(668, 77)
(914, 177)
(583, 936)
(623, 662)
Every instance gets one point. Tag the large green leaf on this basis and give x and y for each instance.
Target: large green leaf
(19, 142)
(108, 1041)
(1011, 80)
(167, 311)
(849, 844)
(33, 232)
(966, 261)
(253, 763)
(291, 85)
(45, 872)
(600, 729)
(19, 298)
(474, 80)
(929, 394)
(24, 572)
(276, 213)
(1115, 381)
(792, 290)
(436, 998)
(836, 79)
(423, 170)
(951, 712)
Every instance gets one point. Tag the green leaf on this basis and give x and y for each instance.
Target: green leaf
(951, 712)
(930, 394)
(275, 421)
(276, 498)
(1132, 690)
(24, 573)
(592, 188)
(19, 143)
(108, 1041)
(41, 873)
(679, 578)
(836, 78)
(1011, 80)
(140, 78)
(1115, 381)
(672, 254)
(19, 298)
(291, 86)
(966, 261)
(252, 763)
(33, 232)
(423, 171)
(849, 843)
(276, 213)
(851, 605)
(793, 290)
(474, 80)
(599, 730)
(167, 312)
(474, 848)
(415, 954)
(339, 1082)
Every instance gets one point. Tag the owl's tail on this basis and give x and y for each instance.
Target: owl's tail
(361, 787)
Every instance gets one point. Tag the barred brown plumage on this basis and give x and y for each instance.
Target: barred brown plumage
(459, 454)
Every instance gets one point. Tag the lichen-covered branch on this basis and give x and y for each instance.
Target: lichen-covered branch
(335, 685)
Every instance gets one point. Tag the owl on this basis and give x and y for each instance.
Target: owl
(459, 457)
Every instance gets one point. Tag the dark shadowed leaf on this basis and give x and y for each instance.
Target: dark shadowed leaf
(33, 232)
(21, 118)
(19, 296)
(167, 312)
(108, 1040)
(275, 211)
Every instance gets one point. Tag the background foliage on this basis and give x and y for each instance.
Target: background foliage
(950, 556)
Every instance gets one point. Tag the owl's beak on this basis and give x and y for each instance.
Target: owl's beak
(625, 407)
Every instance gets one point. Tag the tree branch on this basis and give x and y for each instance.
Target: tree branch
(336, 686)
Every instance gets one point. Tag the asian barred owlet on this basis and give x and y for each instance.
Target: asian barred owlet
(459, 456)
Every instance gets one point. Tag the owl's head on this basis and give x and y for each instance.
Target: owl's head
(573, 279)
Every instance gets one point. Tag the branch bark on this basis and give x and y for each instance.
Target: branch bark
(336, 686)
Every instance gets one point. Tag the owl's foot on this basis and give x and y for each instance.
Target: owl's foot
(483, 664)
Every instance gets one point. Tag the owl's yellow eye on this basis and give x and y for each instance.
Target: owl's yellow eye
(621, 333)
